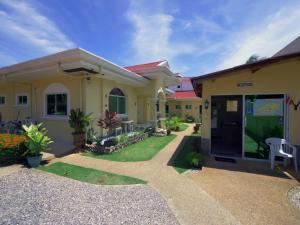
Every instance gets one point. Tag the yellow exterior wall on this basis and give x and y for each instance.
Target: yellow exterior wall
(92, 96)
(183, 112)
(10, 111)
(279, 78)
(58, 129)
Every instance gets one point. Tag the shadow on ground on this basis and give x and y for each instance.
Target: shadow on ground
(241, 165)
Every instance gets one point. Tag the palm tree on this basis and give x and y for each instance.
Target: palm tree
(253, 58)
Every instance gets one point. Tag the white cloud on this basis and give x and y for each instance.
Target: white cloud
(24, 23)
(203, 25)
(265, 39)
(151, 39)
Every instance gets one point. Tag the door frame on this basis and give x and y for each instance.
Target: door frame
(242, 120)
(286, 117)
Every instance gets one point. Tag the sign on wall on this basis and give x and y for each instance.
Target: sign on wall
(244, 84)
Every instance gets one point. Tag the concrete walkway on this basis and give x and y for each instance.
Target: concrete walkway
(190, 204)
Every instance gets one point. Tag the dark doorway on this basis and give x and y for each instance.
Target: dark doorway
(227, 125)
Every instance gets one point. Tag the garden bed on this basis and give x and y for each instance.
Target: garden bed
(12, 148)
(102, 149)
(141, 151)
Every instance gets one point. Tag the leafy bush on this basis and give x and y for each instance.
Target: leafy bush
(123, 138)
(194, 158)
(36, 139)
(91, 135)
(173, 123)
(12, 148)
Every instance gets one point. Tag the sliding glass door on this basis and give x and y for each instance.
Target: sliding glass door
(264, 117)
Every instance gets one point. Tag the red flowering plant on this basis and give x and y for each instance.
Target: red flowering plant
(11, 148)
(109, 121)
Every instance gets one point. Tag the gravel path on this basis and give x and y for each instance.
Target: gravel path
(294, 196)
(33, 197)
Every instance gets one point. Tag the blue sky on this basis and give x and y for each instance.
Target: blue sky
(196, 37)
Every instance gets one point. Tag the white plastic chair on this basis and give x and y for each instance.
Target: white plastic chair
(281, 147)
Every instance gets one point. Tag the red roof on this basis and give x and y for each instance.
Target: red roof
(183, 94)
(140, 67)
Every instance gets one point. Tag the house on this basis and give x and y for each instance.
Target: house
(182, 100)
(246, 104)
(46, 88)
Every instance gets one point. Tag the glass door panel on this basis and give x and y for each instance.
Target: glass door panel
(264, 118)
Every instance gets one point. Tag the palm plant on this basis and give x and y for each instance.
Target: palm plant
(79, 121)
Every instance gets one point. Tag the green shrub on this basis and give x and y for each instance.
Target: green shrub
(194, 158)
(173, 123)
(123, 138)
(12, 148)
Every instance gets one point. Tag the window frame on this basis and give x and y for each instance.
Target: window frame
(178, 107)
(46, 105)
(55, 89)
(117, 97)
(5, 100)
(22, 95)
(189, 107)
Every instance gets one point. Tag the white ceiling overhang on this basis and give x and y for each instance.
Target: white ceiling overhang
(74, 62)
(163, 72)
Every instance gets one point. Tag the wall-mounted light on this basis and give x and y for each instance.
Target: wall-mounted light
(134, 103)
(105, 95)
(206, 104)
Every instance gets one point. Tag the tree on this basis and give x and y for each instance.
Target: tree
(254, 58)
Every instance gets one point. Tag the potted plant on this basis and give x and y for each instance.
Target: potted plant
(196, 128)
(36, 142)
(195, 159)
(79, 122)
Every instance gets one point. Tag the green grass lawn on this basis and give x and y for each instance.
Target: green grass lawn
(141, 151)
(180, 164)
(183, 127)
(89, 175)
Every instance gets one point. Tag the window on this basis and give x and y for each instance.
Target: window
(177, 106)
(2, 100)
(231, 105)
(117, 101)
(22, 99)
(56, 104)
(188, 106)
(56, 101)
